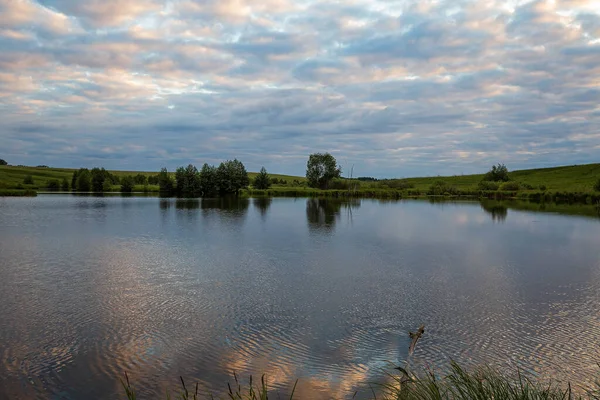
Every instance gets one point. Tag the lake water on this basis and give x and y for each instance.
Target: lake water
(311, 289)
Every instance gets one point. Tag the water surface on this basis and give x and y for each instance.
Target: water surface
(312, 289)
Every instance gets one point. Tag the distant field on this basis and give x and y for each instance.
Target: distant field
(577, 178)
(12, 177)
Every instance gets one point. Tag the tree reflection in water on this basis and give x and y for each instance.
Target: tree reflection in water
(322, 214)
(497, 211)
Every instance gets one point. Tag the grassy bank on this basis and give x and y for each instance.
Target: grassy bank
(558, 184)
(457, 384)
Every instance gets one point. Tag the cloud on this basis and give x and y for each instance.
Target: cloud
(394, 87)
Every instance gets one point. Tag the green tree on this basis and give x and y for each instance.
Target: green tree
(107, 185)
(441, 188)
(3, 162)
(127, 183)
(232, 176)
(498, 173)
(53, 184)
(321, 168)
(84, 180)
(597, 185)
(74, 180)
(187, 180)
(28, 180)
(140, 179)
(99, 175)
(65, 185)
(208, 180)
(153, 180)
(165, 183)
(262, 180)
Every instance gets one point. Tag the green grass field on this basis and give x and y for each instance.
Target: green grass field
(576, 178)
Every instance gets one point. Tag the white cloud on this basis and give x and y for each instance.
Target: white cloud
(396, 87)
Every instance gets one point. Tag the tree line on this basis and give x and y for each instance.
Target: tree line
(228, 178)
(100, 180)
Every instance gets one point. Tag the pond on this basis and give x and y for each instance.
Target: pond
(309, 289)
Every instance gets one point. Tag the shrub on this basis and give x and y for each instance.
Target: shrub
(65, 185)
(107, 186)
(84, 180)
(440, 188)
(127, 183)
(510, 186)
(153, 180)
(53, 184)
(597, 185)
(165, 183)
(498, 173)
(543, 187)
(526, 186)
(28, 180)
(488, 185)
(140, 179)
(399, 184)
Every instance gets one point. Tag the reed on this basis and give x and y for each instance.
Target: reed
(458, 383)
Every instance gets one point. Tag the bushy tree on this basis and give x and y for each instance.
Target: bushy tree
(488, 185)
(65, 185)
(140, 179)
(165, 183)
(127, 183)
(74, 180)
(232, 176)
(113, 179)
(262, 181)
(498, 173)
(321, 168)
(153, 180)
(53, 184)
(597, 185)
(440, 188)
(107, 185)
(84, 180)
(208, 180)
(3, 162)
(99, 175)
(187, 180)
(28, 180)
(510, 186)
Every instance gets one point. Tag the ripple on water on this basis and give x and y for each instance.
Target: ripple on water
(202, 294)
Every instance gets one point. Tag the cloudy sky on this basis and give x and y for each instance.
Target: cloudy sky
(393, 87)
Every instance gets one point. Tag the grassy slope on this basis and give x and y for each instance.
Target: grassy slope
(11, 177)
(577, 178)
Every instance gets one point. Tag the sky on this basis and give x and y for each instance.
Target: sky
(394, 88)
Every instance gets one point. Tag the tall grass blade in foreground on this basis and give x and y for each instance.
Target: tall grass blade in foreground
(482, 383)
(129, 391)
